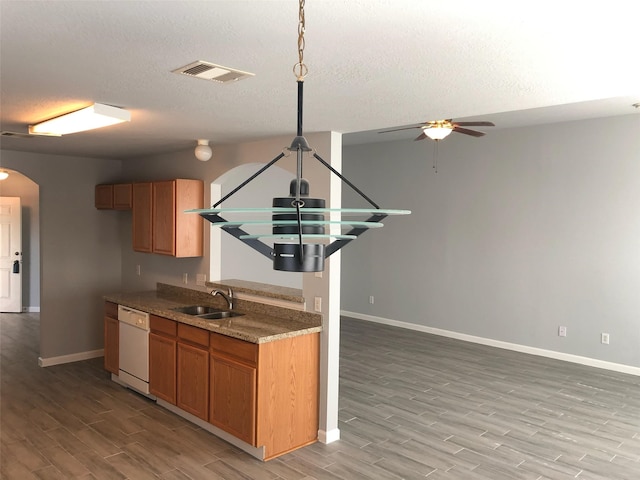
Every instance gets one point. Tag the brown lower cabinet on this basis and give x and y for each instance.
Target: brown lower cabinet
(162, 358)
(287, 394)
(264, 394)
(232, 394)
(111, 337)
(193, 370)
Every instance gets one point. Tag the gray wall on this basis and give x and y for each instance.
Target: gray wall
(18, 185)
(519, 232)
(79, 248)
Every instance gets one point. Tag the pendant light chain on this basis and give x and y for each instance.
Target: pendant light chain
(300, 69)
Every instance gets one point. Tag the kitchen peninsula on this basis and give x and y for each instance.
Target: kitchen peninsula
(251, 379)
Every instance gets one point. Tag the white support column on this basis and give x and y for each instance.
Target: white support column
(328, 186)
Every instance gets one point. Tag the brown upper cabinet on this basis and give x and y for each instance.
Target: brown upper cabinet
(159, 222)
(122, 196)
(113, 197)
(104, 197)
(141, 222)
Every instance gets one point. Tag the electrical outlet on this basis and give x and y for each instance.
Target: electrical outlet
(371, 299)
(201, 278)
(138, 270)
(185, 278)
(562, 331)
(317, 304)
(318, 274)
(604, 338)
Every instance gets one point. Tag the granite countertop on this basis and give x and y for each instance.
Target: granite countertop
(258, 324)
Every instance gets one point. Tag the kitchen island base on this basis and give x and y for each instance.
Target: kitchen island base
(251, 380)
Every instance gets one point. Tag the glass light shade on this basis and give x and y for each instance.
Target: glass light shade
(352, 211)
(4, 175)
(89, 118)
(437, 133)
(203, 151)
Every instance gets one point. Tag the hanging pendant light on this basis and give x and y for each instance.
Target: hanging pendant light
(298, 221)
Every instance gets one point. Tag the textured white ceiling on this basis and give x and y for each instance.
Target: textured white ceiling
(373, 64)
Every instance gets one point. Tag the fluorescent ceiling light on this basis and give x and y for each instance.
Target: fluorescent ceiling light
(89, 118)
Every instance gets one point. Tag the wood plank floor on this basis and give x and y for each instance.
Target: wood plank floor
(412, 405)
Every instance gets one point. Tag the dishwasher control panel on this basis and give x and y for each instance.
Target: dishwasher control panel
(133, 317)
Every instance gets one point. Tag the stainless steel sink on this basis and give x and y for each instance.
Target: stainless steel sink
(220, 315)
(207, 312)
(197, 310)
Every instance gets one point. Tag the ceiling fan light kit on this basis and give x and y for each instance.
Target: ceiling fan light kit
(440, 129)
(298, 222)
(94, 116)
(438, 132)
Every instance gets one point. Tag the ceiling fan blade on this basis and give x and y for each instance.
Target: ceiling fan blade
(475, 124)
(422, 136)
(398, 129)
(466, 131)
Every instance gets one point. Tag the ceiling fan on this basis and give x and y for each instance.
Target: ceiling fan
(439, 129)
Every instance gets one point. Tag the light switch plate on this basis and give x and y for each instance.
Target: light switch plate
(317, 304)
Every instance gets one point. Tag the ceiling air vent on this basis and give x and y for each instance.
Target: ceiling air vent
(211, 71)
(5, 133)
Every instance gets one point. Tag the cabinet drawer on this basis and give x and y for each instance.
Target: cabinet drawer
(111, 309)
(247, 351)
(194, 335)
(163, 326)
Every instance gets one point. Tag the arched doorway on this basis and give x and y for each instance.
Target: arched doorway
(19, 185)
(239, 261)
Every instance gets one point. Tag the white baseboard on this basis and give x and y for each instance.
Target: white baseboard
(30, 309)
(74, 357)
(567, 357)
(257, 452)
(330, 436)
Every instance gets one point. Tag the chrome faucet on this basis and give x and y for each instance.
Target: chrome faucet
(227, 296)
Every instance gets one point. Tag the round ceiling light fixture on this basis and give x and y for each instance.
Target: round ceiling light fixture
(4, 174)
(203, 151)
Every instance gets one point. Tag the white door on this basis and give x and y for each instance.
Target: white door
(10, 255)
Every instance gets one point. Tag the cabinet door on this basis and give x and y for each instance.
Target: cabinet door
(162, 367)
(142, 201)
(122, 196)
(193, 380)
(164, 217)
(189, 227)
(232, 398)
(111, 339)
(104, 196)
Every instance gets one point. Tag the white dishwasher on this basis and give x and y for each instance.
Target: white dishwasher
(134, 348)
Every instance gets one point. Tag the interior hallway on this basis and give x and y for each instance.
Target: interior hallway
(412, 405)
